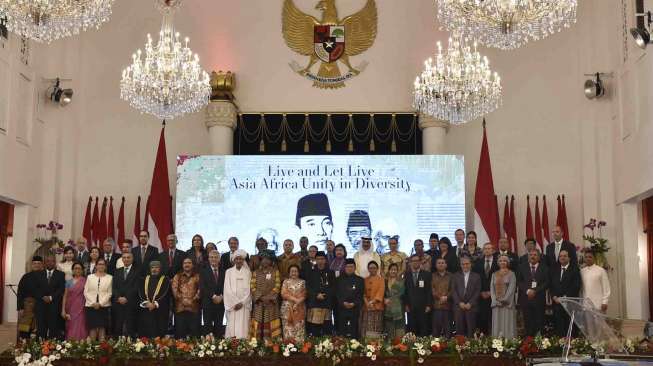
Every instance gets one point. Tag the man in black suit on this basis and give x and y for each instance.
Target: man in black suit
(211, 288)
(109, 256)
(558, 244)
(350, 290)
(227, 259)
(465, 293)
(533, 283)
(485, 267)
(504, 249)
(125, 297)
(418, 298)
(83, 256)
(50, 285)
(144, 253)
(565, 282)
(172, 258)
(530, 244)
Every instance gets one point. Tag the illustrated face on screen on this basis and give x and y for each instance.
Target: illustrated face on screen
(355, 233)
(318, 229)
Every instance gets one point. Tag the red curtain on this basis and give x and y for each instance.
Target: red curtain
(6, 230)
(647, 221)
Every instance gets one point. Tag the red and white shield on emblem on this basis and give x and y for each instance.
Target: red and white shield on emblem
(329, 42)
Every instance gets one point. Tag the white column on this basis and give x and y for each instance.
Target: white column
(221, 119)
(433, 134)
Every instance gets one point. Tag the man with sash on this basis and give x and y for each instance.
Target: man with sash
(319, 300)
(154, 303)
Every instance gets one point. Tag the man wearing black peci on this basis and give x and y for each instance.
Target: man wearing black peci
(144, 253)
(533, 283)
(50, 285)
(26, 298)
(485, 267)
(565, 281)
(349, 298)
(558, 244)
(319, 298)
(172, 258)
(212, 290)
(125, 297)
(418, 297)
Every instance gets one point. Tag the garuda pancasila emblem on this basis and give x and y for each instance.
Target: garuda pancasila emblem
(329, 41)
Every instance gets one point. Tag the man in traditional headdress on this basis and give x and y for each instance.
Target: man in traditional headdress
(349, 298)
(358, 226)
(364, 256)
(154, 297)
(266, 287)
(314, 218)
(238, 297)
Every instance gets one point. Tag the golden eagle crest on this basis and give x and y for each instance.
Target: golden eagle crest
(329, 40)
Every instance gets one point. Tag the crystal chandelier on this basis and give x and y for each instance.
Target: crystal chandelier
(167, 81)
(457, 86)
(506, 24)
(48, 20)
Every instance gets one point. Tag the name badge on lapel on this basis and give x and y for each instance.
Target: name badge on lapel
(337, 274)
(533, 284)
(268, 276)
(353, 287)
(421, 283)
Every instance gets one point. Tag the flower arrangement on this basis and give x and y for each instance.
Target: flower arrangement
(597, 243)
(47, 237)
(333, 350)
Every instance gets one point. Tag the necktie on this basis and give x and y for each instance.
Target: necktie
(215, 274)
(49, 276)
(558, 249)
(106, 257)
(142, 253)
(487, 267)
(533, 271)
(562, 272)
(415, 275)
(171, 256)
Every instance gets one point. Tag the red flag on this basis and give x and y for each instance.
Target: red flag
(111, 226)
(137, 222)
(146, 221)
(102, 235)
(565, 226)
(513, 225)
(545, 222)
(538, 224)
(506, 221)
(559, 216)
(95, 224)
(121, 225)
(485, 203)
(529, 219)
(86, 231)
(159, 212)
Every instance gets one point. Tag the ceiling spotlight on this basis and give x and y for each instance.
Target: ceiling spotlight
(61, 96)
(642, 36)
(594, 88)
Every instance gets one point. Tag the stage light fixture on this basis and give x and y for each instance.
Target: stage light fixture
(59, 95)
(594, 88)
(642, 36)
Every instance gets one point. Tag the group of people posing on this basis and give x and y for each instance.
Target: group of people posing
(95, 293)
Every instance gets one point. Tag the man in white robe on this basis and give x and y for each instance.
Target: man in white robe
(364, 256)
(237, 297)
(596, 285)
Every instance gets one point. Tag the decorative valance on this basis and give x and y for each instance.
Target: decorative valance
(327, 133)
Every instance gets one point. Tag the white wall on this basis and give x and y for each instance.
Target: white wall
(545, 139)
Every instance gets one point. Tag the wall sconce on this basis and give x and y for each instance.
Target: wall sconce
(57, 94)
(642, 36)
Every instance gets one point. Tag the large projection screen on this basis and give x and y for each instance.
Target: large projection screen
(321, 197)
